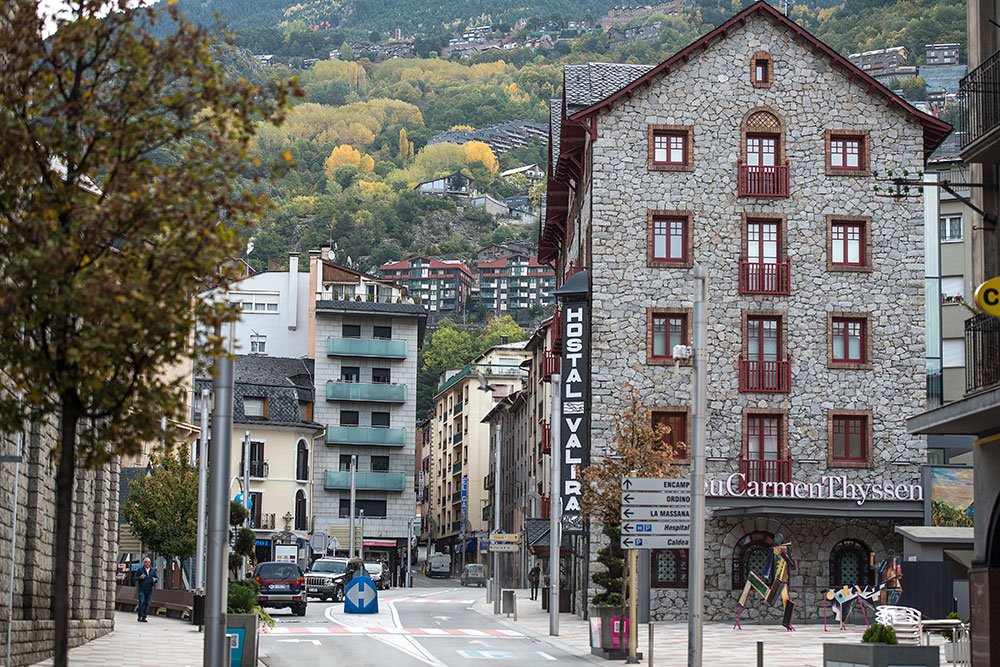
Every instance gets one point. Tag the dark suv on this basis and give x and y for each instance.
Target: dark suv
(326, 579)
(281, 585)
(378, 574)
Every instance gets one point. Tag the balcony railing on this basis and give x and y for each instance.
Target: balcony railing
(456, 497)
(365, 481)
(765, 376)
(263, 522)
(258, 468)
(360, 391)
(546, 437)
(550, 365)
(765, 470)
(764, 277)
(365, 435)
(457, 438)
(546, 504)
(980, 92)
(366, 347)
(982, 349)
(557, 331)
(760, 181)
(457, 410)
(456, 467)
(488, 370)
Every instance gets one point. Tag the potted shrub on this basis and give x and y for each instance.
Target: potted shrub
(243, 618)
(880, 648)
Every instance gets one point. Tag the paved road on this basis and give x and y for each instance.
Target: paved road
(432, 623)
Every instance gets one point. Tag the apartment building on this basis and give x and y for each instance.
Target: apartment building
(942, 54)
(460, 448)
(515, 282)
(749, 153)
(441, 285)
(888, 58)
(977, 413)
(273, 400)
(366, 374)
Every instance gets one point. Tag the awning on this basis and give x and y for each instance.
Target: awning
(379, 543)
(960, 556)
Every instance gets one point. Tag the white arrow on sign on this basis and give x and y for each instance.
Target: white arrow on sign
(644, 528)
(656, 484)
(656, 542)
(656, 498)
(296, 641)
(664, 513)
(361, 595)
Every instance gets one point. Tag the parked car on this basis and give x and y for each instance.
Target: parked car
(326, 579)
(377, 574)
(282, 585)
(473, 574)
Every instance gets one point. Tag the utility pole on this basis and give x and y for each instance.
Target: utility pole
(199, 563)
(696, 581)
(496, 517)
(354, 465)
(246, 493)
(216, 647)
(633, 593)
(555, 506)
(361, 551)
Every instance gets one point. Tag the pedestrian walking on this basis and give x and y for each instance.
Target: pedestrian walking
(145, 579)
(533, 576)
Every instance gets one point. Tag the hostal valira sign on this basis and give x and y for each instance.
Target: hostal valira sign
(574, 432)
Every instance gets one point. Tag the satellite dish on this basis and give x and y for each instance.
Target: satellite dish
(331, 254)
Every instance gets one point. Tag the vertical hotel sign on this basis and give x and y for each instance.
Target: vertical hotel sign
(574, 431)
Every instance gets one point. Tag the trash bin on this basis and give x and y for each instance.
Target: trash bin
(198, 610)
(507, 602)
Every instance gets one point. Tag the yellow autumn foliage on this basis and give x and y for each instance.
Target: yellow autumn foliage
(367, 164)
(340, 156)
(373, 187)
(477, 151)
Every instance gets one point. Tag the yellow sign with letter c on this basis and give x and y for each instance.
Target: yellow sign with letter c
(988, 297)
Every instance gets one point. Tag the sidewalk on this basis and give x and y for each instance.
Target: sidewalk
(722, 646)
(162, 642)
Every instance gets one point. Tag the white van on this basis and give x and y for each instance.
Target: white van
(439, 565)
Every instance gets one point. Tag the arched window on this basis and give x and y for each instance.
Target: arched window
(750, 555)
(763, 171)
(301, 519)
(849, 564)
(302, 461)
(670, 568)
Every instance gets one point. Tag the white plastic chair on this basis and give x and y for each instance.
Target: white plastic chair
(906, 621)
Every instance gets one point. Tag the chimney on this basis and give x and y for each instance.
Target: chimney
(315, 285)
(504, 339)
(293, 290)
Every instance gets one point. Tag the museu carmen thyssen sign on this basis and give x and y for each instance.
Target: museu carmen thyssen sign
(832, 487)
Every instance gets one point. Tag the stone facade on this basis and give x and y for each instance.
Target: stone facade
(93, 545)
(608, 231)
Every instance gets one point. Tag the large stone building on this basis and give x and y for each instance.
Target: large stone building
(93, 546)
(749, 153)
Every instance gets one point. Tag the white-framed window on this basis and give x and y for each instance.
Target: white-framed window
(953, 352)
(253, 407)
(253, 302)
(258, 344)
(952, 289)
(950, 228)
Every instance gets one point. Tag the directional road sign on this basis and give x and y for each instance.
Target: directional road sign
(361, 596)
(656, 484)
(504, 547)
(656, 542)
(663, 513)
(504, 537)
(656, 498)
(647, 528)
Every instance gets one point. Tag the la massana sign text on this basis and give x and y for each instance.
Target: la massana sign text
(832, 487)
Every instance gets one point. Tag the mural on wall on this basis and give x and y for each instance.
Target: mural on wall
(949, 495)
(773, 586)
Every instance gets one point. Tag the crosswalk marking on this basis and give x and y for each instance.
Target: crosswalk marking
(375, 630)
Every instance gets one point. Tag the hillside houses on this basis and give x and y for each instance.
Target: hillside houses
(500, 138)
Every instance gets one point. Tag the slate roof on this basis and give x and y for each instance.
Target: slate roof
(373, 307)
(555, 122)
(283, 382)
(590, 83)
(536, 533)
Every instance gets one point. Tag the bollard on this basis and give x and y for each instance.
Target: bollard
(760, 654)
(515, 606)
(650, 644)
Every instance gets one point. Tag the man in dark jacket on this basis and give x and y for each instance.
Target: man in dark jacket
(145, 579)
(533, 576)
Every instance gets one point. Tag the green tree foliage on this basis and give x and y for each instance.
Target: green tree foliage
(914, 89)
(115, 190)
(495, 329)
(162, 507)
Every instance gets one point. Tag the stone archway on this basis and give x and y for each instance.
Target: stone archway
(841, 533)
(745, 527)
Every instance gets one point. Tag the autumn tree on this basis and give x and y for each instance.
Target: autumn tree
(640, 447)
(162, 507)
(477, 151)
(340, 156)
(120, 156)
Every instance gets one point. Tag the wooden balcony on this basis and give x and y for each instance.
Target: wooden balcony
(550, 365)
(765, 470)
(759, 181)
(765, 277)
(546, 437)
(765, 376)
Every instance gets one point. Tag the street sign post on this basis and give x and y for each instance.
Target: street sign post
(656, 484)
(656, 498)
(361, 597)
(656, 542)
(504, 547)
(663, 513)
(656, 513)
(644, 528)
(505, 537)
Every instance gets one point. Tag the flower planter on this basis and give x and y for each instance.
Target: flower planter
(609, 633)
(243, 650)
(881, 655)
(563, 600)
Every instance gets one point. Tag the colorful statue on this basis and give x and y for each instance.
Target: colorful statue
(774, 584)
(888, 591)
(890, 578)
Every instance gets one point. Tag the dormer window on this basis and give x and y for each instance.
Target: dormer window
(761, 70)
